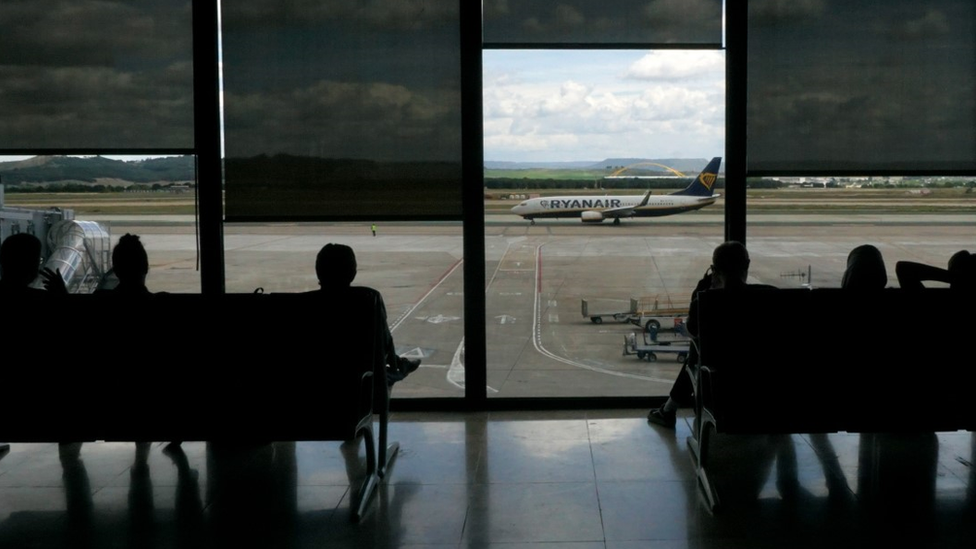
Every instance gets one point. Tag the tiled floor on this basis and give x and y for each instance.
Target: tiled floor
(514, 480)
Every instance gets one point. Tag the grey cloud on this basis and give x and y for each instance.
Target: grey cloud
(669, 14)
(494, 8)
(96, 107)
(598, 21)
(934, 24)
(377, 14)
(345, 120)
(563, 18)
(785, 11)
(96, 74)
(93, 33)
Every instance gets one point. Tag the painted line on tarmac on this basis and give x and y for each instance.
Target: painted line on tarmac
(537, 333)
(425, 296)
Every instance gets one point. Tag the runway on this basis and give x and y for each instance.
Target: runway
(539, 344)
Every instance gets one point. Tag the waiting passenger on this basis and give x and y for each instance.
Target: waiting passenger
(20, 262)
(865, 269)
(960, 275)
(336, 268)
(865, 272)
(130, 264)
(729, 270)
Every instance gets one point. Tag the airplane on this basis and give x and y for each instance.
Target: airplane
(596, 209)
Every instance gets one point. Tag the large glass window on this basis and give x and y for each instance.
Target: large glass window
(417, 267)
(569, 299)
(79, 206)
(801, 229)
(862, 115)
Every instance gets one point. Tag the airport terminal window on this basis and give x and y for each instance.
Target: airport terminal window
(801, 229)
(537, 276)
(588, 100)
(415, 266)
(595, 126)
(80, 205)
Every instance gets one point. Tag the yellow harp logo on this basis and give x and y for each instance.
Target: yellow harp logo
(707, 179)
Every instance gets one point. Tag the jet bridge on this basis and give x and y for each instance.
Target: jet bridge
(81, 250)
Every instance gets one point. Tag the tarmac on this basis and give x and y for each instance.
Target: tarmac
(539, 344)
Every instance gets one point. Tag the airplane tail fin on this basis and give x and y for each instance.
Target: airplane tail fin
(702, 185)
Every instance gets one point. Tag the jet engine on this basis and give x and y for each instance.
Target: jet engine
(591, 217)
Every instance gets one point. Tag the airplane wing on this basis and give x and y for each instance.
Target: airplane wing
(626, 211)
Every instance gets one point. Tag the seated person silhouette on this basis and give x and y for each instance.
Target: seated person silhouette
(729, 270)
(20, 262)
(130, 265)
(865, 272)
(336, 268)
(865, 269)
(960, 274)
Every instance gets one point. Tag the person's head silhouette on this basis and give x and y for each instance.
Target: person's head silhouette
(962, 271)
(20, 259)
(730, 265)
(335, 266)
(130, 261)
(865, 269)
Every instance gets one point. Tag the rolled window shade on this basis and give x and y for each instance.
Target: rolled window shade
(345, 111)
(864, 86)
(96, 75)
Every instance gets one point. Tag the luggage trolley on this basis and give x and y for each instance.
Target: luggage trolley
(648, 344)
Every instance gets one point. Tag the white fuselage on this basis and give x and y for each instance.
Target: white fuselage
(598, 208)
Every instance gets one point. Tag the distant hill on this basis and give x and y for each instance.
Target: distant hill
(503, 165)
(55, 169)
(680, 164)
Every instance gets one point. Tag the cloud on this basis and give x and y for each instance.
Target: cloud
(97, 74)
(670, 14)
(335, 119)
(678, 65)
(562, 19)
(934, 24)
(596, 21)
(377, 14)
(94, 33)
(785, 11)
(96, 107)
(530, 117)
(494, 8)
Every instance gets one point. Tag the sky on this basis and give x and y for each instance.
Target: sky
(595, 104)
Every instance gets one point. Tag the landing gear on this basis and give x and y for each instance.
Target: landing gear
(532, 222)
(616, 221)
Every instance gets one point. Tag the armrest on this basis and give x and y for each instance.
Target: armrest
(707, 379)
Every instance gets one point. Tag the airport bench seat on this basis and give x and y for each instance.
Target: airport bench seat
(830, 360)
(188, 367)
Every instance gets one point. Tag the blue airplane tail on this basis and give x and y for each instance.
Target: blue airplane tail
(703, 184)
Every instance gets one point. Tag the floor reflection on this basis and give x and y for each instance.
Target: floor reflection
(574, 479)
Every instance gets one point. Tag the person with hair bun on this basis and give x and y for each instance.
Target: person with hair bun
(130, 265)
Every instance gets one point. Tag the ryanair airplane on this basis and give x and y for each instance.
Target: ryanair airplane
(595, 209)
